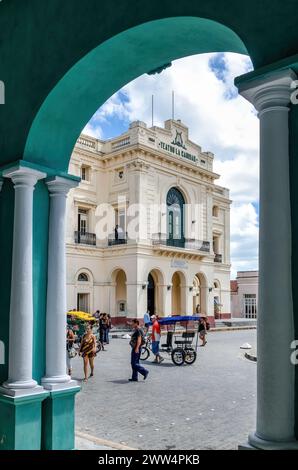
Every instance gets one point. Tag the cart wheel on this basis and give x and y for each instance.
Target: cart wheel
(178, 356)
(145, 353)
(190, 356)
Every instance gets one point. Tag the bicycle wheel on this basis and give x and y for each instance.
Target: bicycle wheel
(98, 347)
(178, 356)
(190, 356)
(145, 353)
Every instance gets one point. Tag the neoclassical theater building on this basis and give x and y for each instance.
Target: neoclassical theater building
(170, 252)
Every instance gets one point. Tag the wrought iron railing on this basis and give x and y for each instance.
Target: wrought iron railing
(85, 238)
(121, 240)
(188, 244)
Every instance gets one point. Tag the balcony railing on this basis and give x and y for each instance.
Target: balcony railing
(85, 238)
(188, 244)
(217, 258)
(121, 240)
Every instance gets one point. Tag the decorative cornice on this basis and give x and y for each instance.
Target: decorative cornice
(270, 92)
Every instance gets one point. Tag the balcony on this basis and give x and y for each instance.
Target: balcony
(85, 238)
(121, 240)
(184, 243)
(217, 258)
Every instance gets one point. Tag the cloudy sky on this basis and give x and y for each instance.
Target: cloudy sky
(218, 119)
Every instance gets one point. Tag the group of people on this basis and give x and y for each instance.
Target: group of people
(88, 346)
(88, 343)
(104, 327)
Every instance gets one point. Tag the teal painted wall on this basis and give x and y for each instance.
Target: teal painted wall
(40, 264)
(6, 236)
(41, 41)
(121, 59)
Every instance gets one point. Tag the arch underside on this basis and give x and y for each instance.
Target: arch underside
(106, 69)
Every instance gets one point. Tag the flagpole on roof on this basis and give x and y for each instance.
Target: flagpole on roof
(173, 105)
(152, 110)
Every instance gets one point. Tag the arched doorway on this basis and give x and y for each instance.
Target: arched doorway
(175, 218)
(118, 298)
(178, 294)
(155, 292)
(151, 295)
(200, 294)
(217, 299)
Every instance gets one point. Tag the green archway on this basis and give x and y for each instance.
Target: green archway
(107, 68)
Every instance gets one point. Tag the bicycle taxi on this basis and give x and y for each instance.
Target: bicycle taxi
(181, 339)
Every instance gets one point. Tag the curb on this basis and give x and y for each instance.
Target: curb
(252, 356)
(102, 442)
(231, 328)
(223, 328)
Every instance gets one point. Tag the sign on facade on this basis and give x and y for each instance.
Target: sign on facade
(178, 263)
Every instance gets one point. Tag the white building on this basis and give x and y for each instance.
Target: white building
(244, 294)
(171, 252)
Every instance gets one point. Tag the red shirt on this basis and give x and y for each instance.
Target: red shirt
(156, 331)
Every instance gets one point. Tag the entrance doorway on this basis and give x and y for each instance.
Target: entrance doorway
(83, 303)
(151, 295)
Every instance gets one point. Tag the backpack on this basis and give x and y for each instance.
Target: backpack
(143, 340)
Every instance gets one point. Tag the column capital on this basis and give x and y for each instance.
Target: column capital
(269, 92)
(23, 176)
(58, 185)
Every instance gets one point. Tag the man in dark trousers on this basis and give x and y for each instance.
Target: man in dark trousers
(136, 344)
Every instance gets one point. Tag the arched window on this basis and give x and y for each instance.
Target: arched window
(175, 218)
(83, 277)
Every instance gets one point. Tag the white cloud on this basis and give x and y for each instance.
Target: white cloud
(218, 119)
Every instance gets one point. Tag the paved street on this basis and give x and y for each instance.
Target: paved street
(210, 405)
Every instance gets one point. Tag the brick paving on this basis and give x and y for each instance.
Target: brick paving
(209, 405)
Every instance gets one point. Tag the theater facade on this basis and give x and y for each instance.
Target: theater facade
(148, 228)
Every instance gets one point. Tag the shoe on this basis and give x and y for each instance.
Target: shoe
(146, 375)
(91, 375)
(133, 380)
(160, 359)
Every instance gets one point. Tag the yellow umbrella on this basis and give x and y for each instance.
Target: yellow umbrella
(81, 315)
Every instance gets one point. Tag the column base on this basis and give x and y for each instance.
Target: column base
(262, 444)
(58, 419)
(20, 392)
(20, 421)
(58, 383)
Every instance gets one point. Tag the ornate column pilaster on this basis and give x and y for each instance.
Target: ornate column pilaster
(56, 377)
(20, 381)
(275, 377)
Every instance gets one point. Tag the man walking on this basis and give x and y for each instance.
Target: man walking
(156, 335)
(136, 344)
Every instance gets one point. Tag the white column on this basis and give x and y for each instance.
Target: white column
(275, 375)
(56, 289)
(20, 379)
